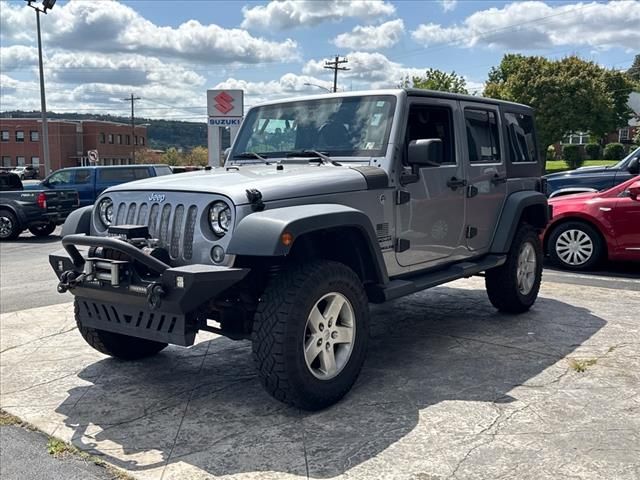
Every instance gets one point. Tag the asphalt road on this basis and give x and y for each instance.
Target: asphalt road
(27, 281)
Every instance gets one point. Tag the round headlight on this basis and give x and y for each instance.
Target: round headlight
(105, 211)
(220, 218)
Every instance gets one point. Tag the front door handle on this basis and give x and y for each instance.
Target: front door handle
(454, 183)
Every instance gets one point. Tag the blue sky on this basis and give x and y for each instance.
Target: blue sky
(169, 53)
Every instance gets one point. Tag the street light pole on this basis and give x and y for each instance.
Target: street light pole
(43, 102)
(318, 86)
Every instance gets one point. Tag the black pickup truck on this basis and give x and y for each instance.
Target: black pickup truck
(39, 211)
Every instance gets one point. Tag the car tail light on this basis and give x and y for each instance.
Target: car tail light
(42, 200)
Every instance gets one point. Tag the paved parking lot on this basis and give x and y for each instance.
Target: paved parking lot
(451, 389)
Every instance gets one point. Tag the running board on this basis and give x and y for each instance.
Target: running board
(408, 285)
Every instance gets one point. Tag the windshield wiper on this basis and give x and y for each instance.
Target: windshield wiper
(324, 158)
(249, 155)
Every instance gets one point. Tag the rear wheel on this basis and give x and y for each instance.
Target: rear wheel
(514, 286)
(310, 334)
(9, 228)
(117, 345)
(42, 230)
(575, 246)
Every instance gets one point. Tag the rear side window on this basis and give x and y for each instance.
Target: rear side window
(126, 174)
(522, 140)
(163, 171)
(10, 182)
(483, 139)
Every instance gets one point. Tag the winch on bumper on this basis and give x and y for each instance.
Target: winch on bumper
(123, 286)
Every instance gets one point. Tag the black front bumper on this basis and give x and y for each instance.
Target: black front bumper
(163, 304)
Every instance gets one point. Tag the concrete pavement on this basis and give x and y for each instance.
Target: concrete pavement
(451, 389)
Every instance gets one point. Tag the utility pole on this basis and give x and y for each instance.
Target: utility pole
(132, 99)
(335, 66)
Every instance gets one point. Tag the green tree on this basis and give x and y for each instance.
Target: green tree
(568, 95)
(172, 157)
(434, 79)
(198, 156)
(634, 70)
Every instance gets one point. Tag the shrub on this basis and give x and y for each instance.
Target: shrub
(592, 150)
(551, 153)
(613, 151)
(572, 156)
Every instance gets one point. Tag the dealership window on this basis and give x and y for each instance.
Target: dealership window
(5, 135)
(19, 136)
(20, 161)
(35, 161)
(127, 140)
(111, 138)
(34, 136)
(623, 134)
(135, 140)
(119, 139)
(6, 161)
(142, 141)
(102, 137)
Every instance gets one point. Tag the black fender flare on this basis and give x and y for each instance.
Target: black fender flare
(533, 205)
(260, 233)
(78, 221)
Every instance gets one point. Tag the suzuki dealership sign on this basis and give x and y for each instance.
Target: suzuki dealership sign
(225, 108)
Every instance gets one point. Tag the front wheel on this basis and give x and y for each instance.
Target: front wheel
(575, 246)
(310, 334)
(514, 286)
(42, 230)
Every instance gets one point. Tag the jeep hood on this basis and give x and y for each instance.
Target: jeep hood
(293, 180)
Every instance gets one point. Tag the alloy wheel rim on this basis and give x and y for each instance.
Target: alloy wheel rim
(526, 272)
(5, 226)
(329, 336)
(574, 247)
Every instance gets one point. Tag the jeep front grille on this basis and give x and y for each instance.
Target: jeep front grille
(169, 224)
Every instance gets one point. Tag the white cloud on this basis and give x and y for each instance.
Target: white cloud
(535, 24)
(372, 37)
(112, 27)
(449, 5)
(367, 70)
(283, 14)
(16, 22)
(15, 57)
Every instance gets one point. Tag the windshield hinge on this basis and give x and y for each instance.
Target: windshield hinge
(402, 197)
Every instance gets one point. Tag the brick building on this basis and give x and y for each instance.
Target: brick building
(69, 142)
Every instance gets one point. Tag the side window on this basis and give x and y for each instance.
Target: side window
(141, 173)
(483, 139)
(83, 176)
(121, 175)
(64, 177)
(427, 122)
(522, 141)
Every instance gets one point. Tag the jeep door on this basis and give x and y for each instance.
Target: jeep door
(430, 222)
(486, 172)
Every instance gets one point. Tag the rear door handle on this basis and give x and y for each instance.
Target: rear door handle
(453, 183)
(496, 179)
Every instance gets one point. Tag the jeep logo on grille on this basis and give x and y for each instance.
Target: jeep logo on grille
(157, 197)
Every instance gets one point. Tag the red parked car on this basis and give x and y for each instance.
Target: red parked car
(589, 227)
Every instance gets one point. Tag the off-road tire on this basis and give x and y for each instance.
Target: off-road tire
(15, 229)
(117, 345)
(43, 230)
(279, 329)
(502, 282)
(592, 233)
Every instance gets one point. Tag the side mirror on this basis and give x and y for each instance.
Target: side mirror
(425, 152)
(634, 166)
(634, 191)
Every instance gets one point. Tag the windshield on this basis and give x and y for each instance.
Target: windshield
(340, 126)
(622, 163)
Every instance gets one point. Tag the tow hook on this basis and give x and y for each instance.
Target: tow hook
(69, 279)
(155, 292)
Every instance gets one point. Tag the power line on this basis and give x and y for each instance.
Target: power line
(335, 66)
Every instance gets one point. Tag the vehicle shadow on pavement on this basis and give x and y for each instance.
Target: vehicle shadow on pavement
(28, 239)
(203, 407)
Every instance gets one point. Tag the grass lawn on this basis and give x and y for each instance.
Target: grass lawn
(554, 166)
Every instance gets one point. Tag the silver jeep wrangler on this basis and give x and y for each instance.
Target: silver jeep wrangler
(325, 204)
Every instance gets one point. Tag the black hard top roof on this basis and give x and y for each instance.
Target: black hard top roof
(419, 92)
